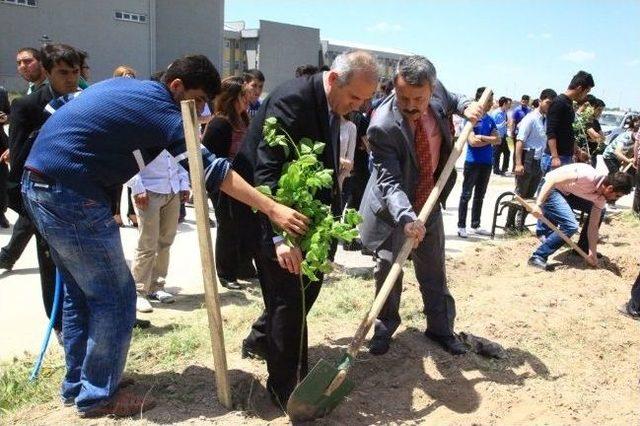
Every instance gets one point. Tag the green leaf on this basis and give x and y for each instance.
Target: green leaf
(305, 149)
(264, 189)
(318, 147)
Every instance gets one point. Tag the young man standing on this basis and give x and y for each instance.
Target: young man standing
(575, 183)
(501, 119)
(532, 139)
(62, 70)
(29, 63)
(477, 171)
(561, 146)
(253, 83)
(100, 139)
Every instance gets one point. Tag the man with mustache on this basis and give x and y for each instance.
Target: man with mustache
(411, 141)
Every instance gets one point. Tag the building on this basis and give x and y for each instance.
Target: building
(387, 58)
(277, 49)
(274, 48)
(145, 34)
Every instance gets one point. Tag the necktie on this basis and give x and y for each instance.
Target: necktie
(423, 154)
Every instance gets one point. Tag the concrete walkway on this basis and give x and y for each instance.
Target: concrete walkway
(22, 313)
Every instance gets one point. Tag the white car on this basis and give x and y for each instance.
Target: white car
(612, 123)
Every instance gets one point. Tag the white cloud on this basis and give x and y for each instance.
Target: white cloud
(633, 63)
(385, 27)
(545, 35)
(578, 56)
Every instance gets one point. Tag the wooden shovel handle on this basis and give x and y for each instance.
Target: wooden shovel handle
(398, 263)
(554, 228)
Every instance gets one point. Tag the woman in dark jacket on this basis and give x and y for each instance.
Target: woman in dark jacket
(223, 136)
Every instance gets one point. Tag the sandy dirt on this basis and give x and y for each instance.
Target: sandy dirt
(571, 357)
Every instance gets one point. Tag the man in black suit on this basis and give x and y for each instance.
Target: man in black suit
(62, 66)
(306, 107)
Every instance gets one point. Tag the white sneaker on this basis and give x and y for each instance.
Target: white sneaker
(143, 305)
(480, 231)
(162, 296)
(462, 232)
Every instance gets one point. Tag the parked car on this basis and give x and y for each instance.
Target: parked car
(613, 123)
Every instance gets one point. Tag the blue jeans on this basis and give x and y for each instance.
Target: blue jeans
(559, 212)
(99, 291)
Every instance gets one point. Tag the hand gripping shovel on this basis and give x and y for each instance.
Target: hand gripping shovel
(326, 385)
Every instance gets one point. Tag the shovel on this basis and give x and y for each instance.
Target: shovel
(326, 385)
(554, 229)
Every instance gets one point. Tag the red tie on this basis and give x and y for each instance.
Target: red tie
(425, 180)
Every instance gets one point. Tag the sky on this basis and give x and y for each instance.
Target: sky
(513, 47)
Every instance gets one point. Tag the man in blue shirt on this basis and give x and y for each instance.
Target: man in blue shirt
(500, 117)
(530, 144)
(477, 171)
(102, 138)
(253, 83)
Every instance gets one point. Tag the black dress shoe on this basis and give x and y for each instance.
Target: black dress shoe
(451, 344)
(253, 351)
(231, 285)
(4, 223)
(5, 264)
(379, 345)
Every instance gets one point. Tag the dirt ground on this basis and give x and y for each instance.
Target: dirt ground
(571, 357)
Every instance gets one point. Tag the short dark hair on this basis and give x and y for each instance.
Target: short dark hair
(196, 72)
(621, 182)
(503, 100)
(55, 53)
(582, 79)
(535, 103)
(598, 103)
(253, 74)
(590, 98)
(34, 52)
(525, 98)
(479, 92)
(307, 69)
(325, 68)
(548, 94)
(157, 76)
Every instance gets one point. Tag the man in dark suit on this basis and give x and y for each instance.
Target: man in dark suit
(411, 141)
(28, 114)
(306, 107)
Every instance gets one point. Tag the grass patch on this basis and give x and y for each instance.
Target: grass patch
(17, 392)
(629, 218)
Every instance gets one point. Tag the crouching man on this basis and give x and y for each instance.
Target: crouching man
(580, 186)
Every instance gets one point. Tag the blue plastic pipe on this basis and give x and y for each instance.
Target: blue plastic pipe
(54, 312)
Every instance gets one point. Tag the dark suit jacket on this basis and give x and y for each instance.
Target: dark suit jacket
(27, 116)
(391, 188)
(300, 106)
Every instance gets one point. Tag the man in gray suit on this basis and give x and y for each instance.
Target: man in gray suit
(411, 141)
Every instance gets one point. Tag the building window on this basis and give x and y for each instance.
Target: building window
(131, 17)
(28, 3)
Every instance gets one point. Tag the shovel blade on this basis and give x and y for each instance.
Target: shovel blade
(308, 400)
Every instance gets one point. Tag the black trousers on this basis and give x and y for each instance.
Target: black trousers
(23, 230)
(359, 179)
(4, 174)
(635, 294)
(581, 204)
(429, 264)
(526, 187)
(498, 150)
(475, 181)
(279, 329)
(115, 195)
(234, 253)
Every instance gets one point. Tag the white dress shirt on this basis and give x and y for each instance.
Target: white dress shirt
(162, 176)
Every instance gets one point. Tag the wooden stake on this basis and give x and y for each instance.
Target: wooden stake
(209, 276)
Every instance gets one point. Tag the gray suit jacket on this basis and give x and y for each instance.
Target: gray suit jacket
(391, 188)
